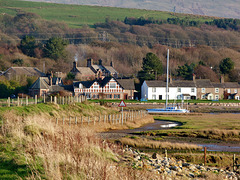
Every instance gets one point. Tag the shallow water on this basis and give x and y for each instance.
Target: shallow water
(160, 125)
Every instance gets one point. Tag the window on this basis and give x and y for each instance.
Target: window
(192, 90)
(154, 89)
(154, 97)
(109, 96)
(80, 86)
(95, 96)
(235, 91)
(229, 90)
(203, 97)
(95, 86)
(216, 97)
(216, 90)
(203, 90)
(179, 90)
(112, 85)
(116, 96)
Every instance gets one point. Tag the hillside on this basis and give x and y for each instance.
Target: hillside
(217, 8)
(77, 16)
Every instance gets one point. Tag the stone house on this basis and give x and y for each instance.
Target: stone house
(21, 73)
(91, 71)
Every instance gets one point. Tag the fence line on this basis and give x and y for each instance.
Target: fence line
(113, 119)
(35, 100)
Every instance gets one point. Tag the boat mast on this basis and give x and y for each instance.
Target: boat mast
(167, 79)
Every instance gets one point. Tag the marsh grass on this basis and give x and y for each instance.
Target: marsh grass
(152, 144)
(33, 147)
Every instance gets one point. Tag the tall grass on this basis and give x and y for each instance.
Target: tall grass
(44, 150)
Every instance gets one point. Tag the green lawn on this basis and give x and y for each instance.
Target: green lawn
(76, 16)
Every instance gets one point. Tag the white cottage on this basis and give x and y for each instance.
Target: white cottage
(156, 90)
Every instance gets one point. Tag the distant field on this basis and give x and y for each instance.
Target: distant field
(76, 16)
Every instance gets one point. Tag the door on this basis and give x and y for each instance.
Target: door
(160, 97)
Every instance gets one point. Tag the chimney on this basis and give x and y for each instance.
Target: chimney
(74, 65)
(194, 78)
(111, 63)
(222, 79)
(89, 62)
(100, 62)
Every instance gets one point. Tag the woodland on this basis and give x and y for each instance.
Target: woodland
(195, 47)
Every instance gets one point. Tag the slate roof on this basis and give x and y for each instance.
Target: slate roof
(154, 83)
(218, 85)
(182, 84)
(203, 83)
(44, 83)
(86, 84)
(231, 85)
(29, 71)
(85, 71)
(40, 83)
(111, 69)
(127, 84)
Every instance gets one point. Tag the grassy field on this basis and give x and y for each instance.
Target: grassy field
(76, 16)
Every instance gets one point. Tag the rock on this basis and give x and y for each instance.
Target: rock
(191, 175)
(155, 156)
(185, 164)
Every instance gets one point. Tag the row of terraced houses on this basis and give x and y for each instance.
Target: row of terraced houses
(195, 89)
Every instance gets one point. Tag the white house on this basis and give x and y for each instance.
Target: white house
(156, 90)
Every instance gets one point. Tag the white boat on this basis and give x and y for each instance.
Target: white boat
(167, 109)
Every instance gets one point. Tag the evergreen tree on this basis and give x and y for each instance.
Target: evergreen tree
(226, 65)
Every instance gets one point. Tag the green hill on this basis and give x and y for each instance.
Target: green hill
(76, 16)
(219, 8)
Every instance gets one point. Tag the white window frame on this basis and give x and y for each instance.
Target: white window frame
(96, 86)
(216, 90)
(203, 97)
(153, 89)
(179, 90)
(193, 90)
(154, 97)
(228, 90)
(235, 90)
(80, 86)
(216, 97)
(203, 90)
(112, 83)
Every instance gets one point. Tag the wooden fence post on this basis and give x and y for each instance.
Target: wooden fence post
(9, 102)
(18, 101)
(35, 102)
(104, 118)
(76, 120)
(234, 162)
(26, 100)
(81, 120)
(56, 120)
(205, 155)
(55, 99)
(44, 98)
(63, 120)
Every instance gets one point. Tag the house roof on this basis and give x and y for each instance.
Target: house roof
(231, 85)
(29, 71)
(40, 83)
(127, 84)
(44, 83)
(111, 69)
(85, 71)
(203, 83)
(218, 85)
(86, 84)
(154, 83)
(182, 84)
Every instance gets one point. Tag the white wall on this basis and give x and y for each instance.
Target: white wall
(147, 92)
